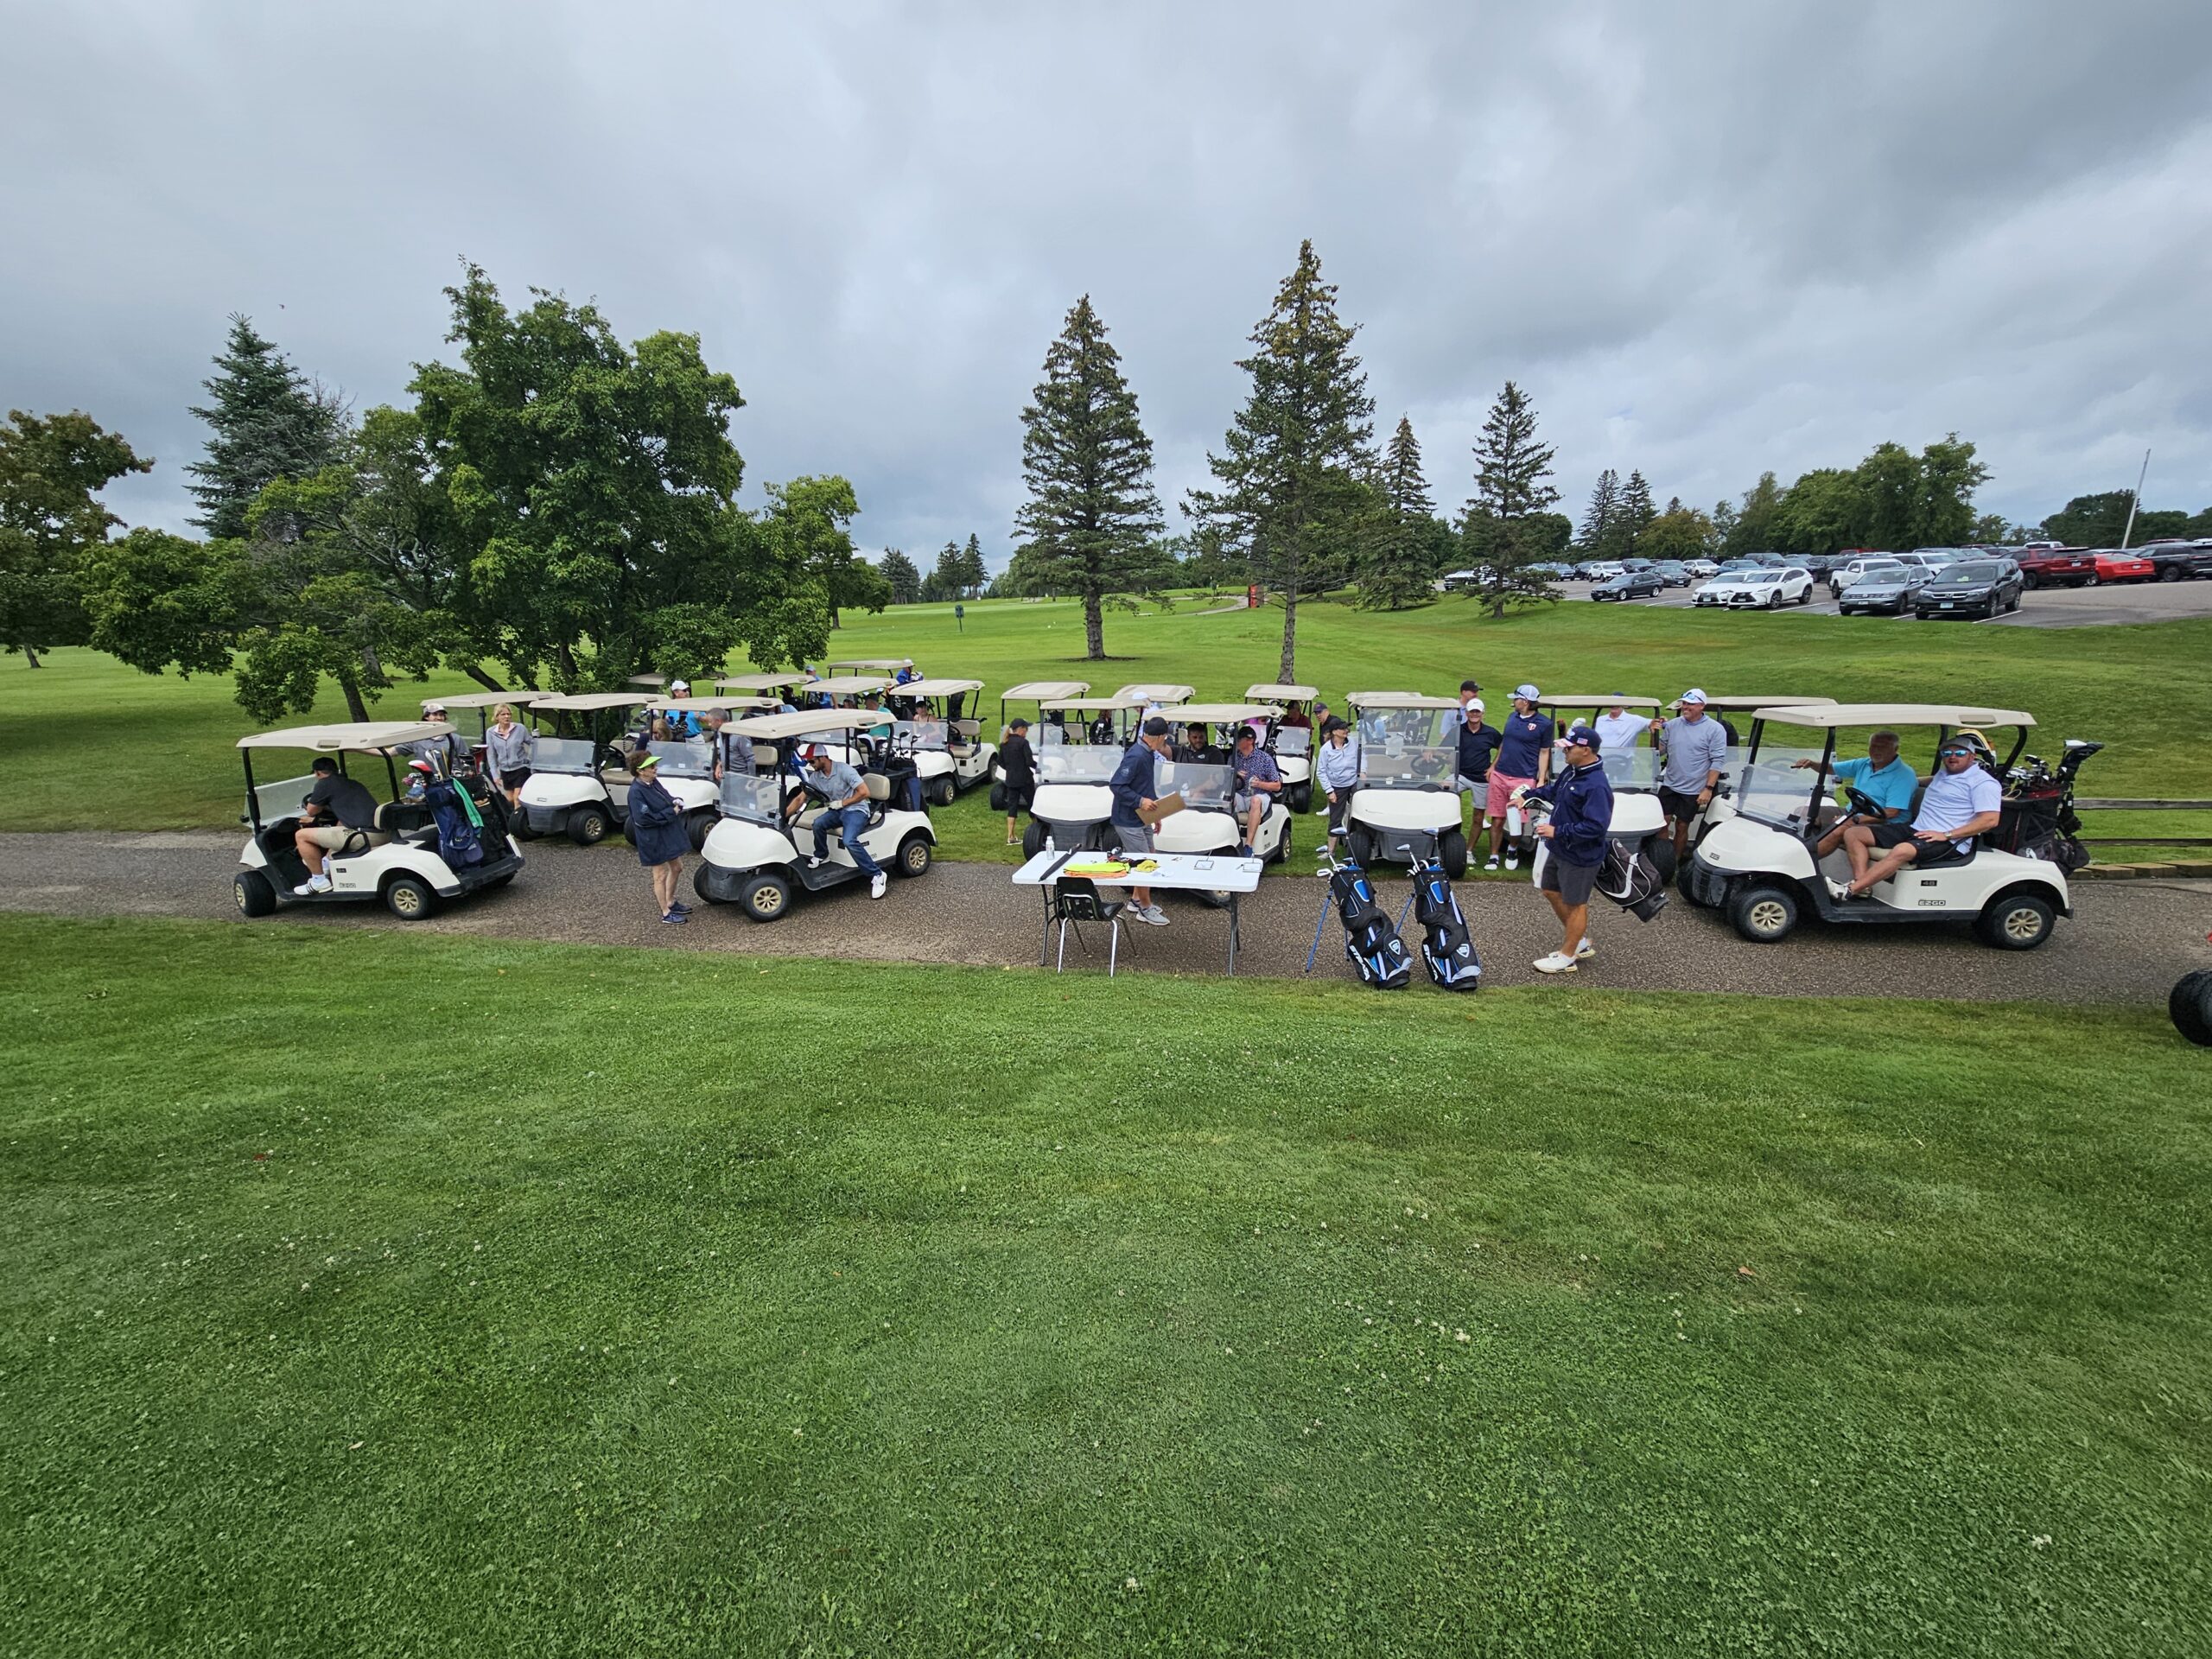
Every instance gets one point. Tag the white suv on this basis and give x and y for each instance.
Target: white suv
(1765, 590)
(1851, 569)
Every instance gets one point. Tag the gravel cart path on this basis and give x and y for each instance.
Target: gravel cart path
(2128, 940)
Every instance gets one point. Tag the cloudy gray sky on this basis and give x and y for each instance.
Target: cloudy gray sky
(1708, 239)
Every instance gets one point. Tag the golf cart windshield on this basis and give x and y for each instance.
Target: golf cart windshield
(1770, 792)
(1404, 728)
(688, 760)
(1294, 740)
(1635, 768)
(910, 736)
(1397, 765)
(564, 754)
(1198, 785)
(280, 799)
(1077, 764)
(757, 800)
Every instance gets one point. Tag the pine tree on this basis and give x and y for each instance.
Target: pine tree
(943, 582)
(973, 574)
(268, 421)
(1637, 512)
(1395, 571)
(1292, 497)
(906, 581)
(1507, 526)
(1091, 509)
(1604, 507)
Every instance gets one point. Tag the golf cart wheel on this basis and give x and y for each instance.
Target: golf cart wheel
(1452, 853)
(914, 858)
(1033, 839)
(1361, 845)
(1686, 880)
(256, 893)
(588, 826)
(765, 896)
(2017, 921)
(696, 825)
(1659, 848)
(2191, 1006)
(1765, 914)
(409, 898)
(519, 826)
(942, 790)
(1298, 798)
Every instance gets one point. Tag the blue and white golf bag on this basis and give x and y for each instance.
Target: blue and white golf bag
(1371, 938)
(1447, 945)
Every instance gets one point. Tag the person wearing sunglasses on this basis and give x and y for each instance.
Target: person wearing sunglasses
(1963, 800)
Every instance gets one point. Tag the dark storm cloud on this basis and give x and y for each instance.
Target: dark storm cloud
(1710, 241)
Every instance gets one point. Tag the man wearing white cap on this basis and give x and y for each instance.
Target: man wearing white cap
(1617, 729)
(1692, 750)
(1524, 760)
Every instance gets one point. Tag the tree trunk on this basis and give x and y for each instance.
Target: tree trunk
(354, 705)
(834, 623)
(475, 673)
(1094, 627)
(30, 656)
(1290, 635)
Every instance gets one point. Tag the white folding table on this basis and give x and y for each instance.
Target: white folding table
(1171, 873)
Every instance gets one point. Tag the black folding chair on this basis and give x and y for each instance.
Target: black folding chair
(1072, 902)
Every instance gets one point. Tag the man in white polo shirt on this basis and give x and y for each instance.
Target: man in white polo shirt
(1963, 800)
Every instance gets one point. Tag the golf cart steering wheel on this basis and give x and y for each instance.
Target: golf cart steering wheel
(1865, 805)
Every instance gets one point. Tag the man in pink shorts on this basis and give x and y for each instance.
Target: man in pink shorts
(1524, 759)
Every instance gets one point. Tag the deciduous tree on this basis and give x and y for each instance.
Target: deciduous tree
(51, 469)
(812, 517)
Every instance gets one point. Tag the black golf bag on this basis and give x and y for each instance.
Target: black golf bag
(1371, 938)
(1446, 945)
(1631, 879)
(2037, 819)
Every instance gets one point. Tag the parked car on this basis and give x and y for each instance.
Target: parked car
(2180, 561)
(1631, 584)
(1673, 572)
(2049, 565)
(1820, 564)
(1638, 564)
(1853, 568)
(1888, 588)
(1982, 587)
(1600, 570)
(1701, 567)
(1757, 589)
(1767, 561)
(2114, 566)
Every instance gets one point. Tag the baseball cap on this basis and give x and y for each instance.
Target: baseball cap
(1157, 726)
(1583, 736)
(1525, 690)
(434, 707)
(1018, 723)
(1245, 733)
(645, 762)
(1473, 702)
(1692, 696)
(679, 685)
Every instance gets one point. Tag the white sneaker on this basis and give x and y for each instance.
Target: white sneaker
(1839, 890)
(319, 884)
(876, 886)
(1555, 963)
(1585, 951)
(1512, 861)
(1490, 863)
(816, 863)
(304, 888)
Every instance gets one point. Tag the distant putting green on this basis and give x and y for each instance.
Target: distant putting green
(375, 1294)
(85, 742)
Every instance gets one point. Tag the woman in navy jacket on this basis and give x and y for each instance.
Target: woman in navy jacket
(656, 825)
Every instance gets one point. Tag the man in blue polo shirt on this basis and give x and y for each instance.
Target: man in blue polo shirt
(1881, 776)
(1963, 801)
(1523, 760)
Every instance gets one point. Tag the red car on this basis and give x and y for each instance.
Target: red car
(2116, 566)
(2057, 567)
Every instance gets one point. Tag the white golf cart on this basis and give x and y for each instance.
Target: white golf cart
(1405, 804)
(1292, 746)
(400, 860)
(1755, 859)
(1076, 758)
(954, 755)
(579, 773)
(1633, 773)
(755, 857)
(1207, 784)
(483, 702)
(1731, 763)
(887, 666)
(780, 681)
(1145, 693)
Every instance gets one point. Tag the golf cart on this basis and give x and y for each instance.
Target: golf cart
(1075, 762)
(1038, 692)
(580, 784)
(1209, 822)
(887, 666)
(755, 858)
(1292, 746)
(1756, 858)
(763, 683)
(399, 861)
(483, 702)
(1405, 804)
(955, 757)
(1634, 774)
(1145, 693)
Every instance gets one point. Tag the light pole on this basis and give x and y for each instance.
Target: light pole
(2135, 501)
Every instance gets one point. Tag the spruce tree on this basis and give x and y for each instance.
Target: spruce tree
(973, 572)
(1507, 527)
(906, 581)
(1293, 496)
(1637, 512)
(1603, 509)
(267, 422)
(1091, 509)
(1395, 571)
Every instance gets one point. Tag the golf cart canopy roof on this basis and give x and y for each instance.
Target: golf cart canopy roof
(891, 664)
(1398, 700)
(705, 705)
(929, 688)
(807, 722)
(849, 685)
(1833, 714)
(1607, 701)
(1147, 691)
(1090, 705)
(1758, 702)
(360, 737)
(483, 700)
(646, 679)
(1223, 713)
(1284, 693)
(1030, 691)
(589, 700)
(761, 681)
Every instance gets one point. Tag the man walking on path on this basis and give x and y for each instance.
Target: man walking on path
(1693, 749)
(1582, 810)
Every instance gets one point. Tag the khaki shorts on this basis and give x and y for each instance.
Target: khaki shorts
(332, 837)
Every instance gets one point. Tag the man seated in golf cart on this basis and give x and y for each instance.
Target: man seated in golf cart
(1963, 800)
(843, 795)
(337, 814)
(1259, 780)
(1196, 748)
(1881, 776)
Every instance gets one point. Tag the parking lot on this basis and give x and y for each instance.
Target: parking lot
(2043, 607)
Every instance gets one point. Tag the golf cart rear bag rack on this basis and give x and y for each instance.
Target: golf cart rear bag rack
(1371, 941)
(1447, 945)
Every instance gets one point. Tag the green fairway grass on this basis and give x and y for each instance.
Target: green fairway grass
(84, 740)
(381, 1294)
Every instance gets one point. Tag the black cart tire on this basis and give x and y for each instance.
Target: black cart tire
(1033, 839)
(588, 825)
(1452, 853)
(519, 826)
(1298, 798)
(2017, 921)
(940, 792)
(914, 855)
(998, 798)
(766, 897)
(255, 892)
(409, 898)
(1660, 849)
(1211, 898)
(1765, 914)
(2191, 1006)
(1361, 845)
(707, 895)
(1686, 882)
(696, 824)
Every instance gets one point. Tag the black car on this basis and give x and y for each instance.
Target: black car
(1631, 584)
(1981, 587)
(2178, 561)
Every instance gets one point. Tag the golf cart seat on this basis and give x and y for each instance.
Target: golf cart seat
(966, 735)
(403, 818)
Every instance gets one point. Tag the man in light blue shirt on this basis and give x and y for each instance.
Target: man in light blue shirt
(1963, 801)
(844, 806)
(1883, 778)
(1692, 747)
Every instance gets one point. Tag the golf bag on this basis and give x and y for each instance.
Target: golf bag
(460, 842)
(1371, 938)
(2038, 819)
(1446, 945)
(1631, 879)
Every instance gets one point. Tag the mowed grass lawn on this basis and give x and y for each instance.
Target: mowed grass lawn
(421, 1295)
(87, 741)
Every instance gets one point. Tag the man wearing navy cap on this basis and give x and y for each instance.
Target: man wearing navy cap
(1582, 812)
